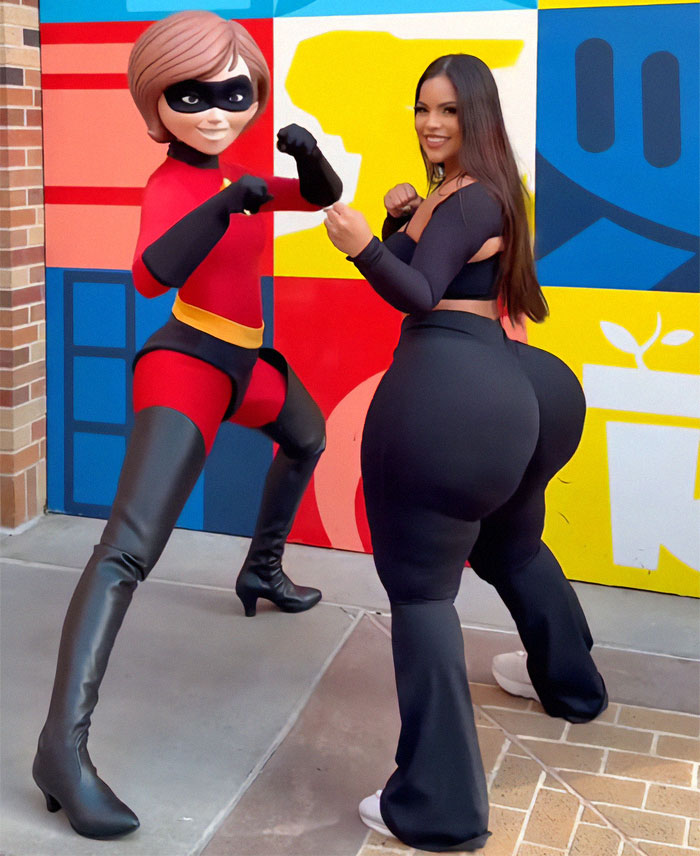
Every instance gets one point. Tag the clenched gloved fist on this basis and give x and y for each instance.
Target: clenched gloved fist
(295, 141)
(247, 194)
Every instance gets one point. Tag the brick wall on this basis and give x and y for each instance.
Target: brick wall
(22, 287)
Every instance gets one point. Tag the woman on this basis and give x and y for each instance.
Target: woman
(199, 82)
(464, 432)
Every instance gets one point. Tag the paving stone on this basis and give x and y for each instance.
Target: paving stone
(662, 850)
(527, 849)
(601, 734)
(552, 819)
(646, 825)
(527, 724)
(505, 824)
(551, 783)
(607, 789)
(377, 843)
(565, 756)
(637, 766)
(660, 720)
(678, 747)
(610, 714)
(598, 840)
(493, 696)
(590, 816)
(491, 743)
(515, 782)
(683, 801)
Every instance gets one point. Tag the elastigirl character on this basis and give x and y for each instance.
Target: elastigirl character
(199, 81)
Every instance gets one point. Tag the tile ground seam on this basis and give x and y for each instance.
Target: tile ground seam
(528, 811)
(555, 775)
(282, 734)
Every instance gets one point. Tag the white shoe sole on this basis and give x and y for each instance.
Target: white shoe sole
(377, 826)
(516, 688)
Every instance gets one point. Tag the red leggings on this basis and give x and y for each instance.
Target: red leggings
(203, 392)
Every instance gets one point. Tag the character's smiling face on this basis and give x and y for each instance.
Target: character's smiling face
(209, 115)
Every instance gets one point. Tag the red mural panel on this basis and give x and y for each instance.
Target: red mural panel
(339, 337)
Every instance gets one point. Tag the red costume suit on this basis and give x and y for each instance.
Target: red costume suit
(221, 298)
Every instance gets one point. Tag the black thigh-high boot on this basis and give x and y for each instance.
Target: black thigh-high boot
(300, 432)
(436, 799)
(163, 460)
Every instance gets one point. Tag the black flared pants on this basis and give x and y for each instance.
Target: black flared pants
(465, 431)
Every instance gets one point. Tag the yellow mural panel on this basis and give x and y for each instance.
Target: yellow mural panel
(626, 510)
(371, 109)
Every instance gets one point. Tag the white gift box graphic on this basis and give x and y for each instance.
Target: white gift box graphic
(651, 468)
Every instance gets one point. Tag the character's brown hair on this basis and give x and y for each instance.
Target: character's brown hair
(190, 45)
(486, 155)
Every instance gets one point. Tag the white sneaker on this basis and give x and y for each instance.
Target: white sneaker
(372, 816)
(510, 672)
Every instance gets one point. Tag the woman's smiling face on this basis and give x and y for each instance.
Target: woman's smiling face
(437, 123)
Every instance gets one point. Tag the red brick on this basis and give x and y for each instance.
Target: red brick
(20, 257)
(11, 357)
(12, 238)
(22, 376)
(20, 336)
(15, 157)
(39, 430)
(37, 98)
(19, 461)
(12, 297)
(32, 78)
(12, 217)
(12, 117)
(35, 195)
(33, 3)
(37, 274)
(33, 118)
(13, 198)
(34, 157)
(20, 137)
(14, 317)
(21, 178)
(13, 397)
(10, 97)
(13, 493)
(38, 389)
(37, 312)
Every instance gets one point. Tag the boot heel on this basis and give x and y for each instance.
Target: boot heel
(52, 804)
(249, 602)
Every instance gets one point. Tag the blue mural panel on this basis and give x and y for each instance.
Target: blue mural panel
(617, 145)
(97, 460)
(60, 11)
(99, 390)
(99, 314)
(96, 322)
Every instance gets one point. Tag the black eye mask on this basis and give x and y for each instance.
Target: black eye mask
(196, 96)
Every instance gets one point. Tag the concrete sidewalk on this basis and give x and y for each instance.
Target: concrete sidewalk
(248, 737)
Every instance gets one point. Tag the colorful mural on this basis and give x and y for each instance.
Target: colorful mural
(601, 103)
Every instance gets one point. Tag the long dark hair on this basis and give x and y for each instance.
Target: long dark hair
(486, 156)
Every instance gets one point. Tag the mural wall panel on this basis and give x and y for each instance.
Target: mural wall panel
(601, 103)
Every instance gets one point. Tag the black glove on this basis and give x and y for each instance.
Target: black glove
(318, 182)
(295, 141)
(249, 193)
(172, 258)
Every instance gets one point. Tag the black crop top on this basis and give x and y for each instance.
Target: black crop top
(415, 277)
